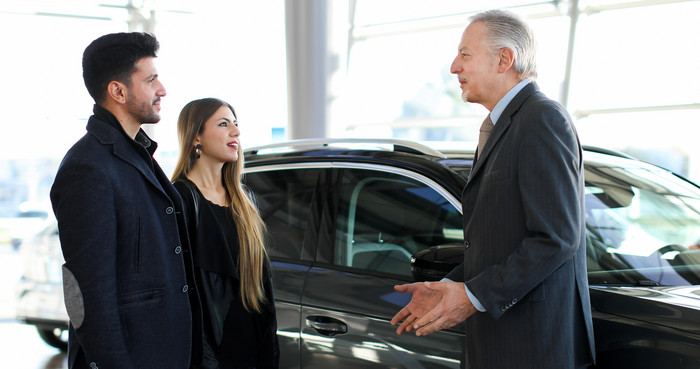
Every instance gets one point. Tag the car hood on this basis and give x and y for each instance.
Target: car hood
(675, 307)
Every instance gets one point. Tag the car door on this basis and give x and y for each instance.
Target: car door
(384, 215)
(285, 196)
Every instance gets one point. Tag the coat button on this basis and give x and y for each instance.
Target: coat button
(185, 288)
(178, 250)
(93, 365)
(169, 210)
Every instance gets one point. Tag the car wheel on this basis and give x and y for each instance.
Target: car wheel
(54, 337)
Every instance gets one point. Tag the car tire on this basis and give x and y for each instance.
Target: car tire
(53, 337)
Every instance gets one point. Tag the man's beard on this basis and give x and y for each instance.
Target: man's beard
(143, 111)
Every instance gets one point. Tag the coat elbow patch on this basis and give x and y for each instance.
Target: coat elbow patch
(73, 298)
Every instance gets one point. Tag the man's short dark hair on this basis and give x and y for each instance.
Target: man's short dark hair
(113, 57)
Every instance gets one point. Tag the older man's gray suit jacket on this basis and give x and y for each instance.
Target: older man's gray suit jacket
(524, 231)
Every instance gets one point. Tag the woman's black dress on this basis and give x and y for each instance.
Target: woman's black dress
(233, 337)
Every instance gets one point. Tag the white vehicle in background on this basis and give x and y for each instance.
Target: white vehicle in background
(30, 219)
(40, 289)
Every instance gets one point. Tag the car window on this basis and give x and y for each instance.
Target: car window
(385, 218)
(643, 227)
(284, 199)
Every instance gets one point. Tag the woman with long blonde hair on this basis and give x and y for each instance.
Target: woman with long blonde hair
(227, 238)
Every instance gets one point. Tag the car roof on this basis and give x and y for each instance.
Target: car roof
(432, 150)
(355, 149)
(418, 156)
(337, 148)
(403, 154)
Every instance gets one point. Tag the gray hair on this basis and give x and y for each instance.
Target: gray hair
(506, 30)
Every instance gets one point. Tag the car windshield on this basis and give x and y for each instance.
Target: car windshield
(643, 226)
(642, 222)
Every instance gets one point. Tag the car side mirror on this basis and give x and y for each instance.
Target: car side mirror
(433, 263)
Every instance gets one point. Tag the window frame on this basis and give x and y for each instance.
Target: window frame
(324, 254)
(308, 248)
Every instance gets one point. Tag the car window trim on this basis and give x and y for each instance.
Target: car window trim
(407, 173)
(391, 170)
(349, 165)
(289, 166)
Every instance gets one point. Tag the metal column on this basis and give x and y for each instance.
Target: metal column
(307, 67)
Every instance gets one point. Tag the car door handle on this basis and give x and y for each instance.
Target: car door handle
(326, 326)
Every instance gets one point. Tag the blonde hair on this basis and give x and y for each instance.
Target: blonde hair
(251, 229)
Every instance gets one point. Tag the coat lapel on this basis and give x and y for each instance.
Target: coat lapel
(503, 124)
(122, 149)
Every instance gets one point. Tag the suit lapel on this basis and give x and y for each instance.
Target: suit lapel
(503, 124)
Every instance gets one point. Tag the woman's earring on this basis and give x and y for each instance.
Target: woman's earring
(197, 151)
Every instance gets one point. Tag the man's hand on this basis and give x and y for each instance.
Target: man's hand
(453, 308)
(434, 306)
(423, 300)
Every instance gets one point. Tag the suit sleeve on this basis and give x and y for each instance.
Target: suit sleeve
(549, 180)
(84, 203)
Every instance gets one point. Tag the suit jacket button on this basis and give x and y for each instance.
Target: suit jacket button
(185, 288)
(93, 365)
(169, 210)
(178, 250)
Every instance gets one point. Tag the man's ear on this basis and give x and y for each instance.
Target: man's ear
(116, 91)
(506, 58)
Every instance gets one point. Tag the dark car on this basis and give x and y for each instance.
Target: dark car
(349, 219)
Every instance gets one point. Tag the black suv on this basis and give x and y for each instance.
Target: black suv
(350, 218)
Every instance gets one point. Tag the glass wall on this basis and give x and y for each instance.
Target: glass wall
(632, 81)
(208, 48)
(634, 87)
